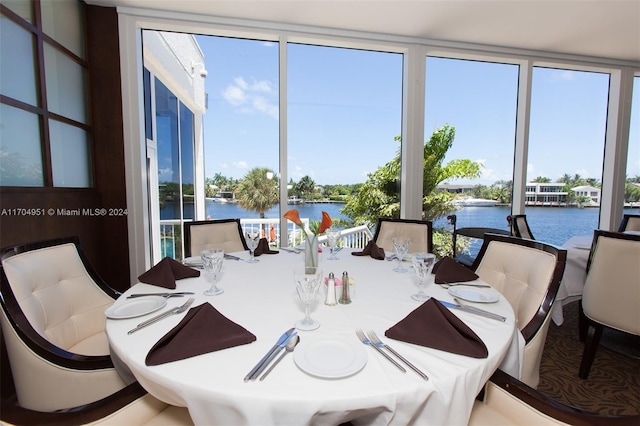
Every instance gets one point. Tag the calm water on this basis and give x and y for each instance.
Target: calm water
(554, 225)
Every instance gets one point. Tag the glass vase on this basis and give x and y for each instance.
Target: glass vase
(311, 251)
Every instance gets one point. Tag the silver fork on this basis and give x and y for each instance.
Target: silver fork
(368, 342)
(176, 310)
(378, 343)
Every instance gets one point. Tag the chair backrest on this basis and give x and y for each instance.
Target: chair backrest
(509, 401)
(419, 231)
(630, 222)
(612, 288)
(223, 233)
(52, 320)
(520, 226)
(63, 301)
(528, 274)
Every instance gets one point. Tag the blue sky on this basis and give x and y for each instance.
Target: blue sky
(344, 109)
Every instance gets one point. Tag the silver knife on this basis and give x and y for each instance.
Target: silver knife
(178, 294)
(272, 356)
(283, 338)
(474, 310)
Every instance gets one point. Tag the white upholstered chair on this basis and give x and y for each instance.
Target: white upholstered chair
(630, 222)
(611, 296)
(420, 233)
(223, 233)
(509, 402)
(528, 274)
(53, 324)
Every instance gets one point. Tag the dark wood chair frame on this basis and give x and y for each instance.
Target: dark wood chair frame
(557, 410)
(515, 230)
(625, 221)
(529, 331)
(187, 232)
(428, 223)
(469, 232)
(590, 331)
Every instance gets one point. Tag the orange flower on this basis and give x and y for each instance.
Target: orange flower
(294, 217)
(326, 222)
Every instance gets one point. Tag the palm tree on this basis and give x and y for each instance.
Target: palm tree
(257, 192)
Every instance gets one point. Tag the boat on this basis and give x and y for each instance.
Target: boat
(474, 202)
(295, 201)
(224, 197)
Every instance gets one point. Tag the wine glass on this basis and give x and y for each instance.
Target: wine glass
(253, 238)
(332, 236)
(212, 263)
(307, 283)
(422, 265)
(401, 246)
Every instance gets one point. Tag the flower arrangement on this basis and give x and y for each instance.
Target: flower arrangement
(315, 227)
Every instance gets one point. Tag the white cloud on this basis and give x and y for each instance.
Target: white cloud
(224, 166)
(240, 165)
(252, 97)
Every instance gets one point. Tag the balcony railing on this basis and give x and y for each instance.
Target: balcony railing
(171, 235)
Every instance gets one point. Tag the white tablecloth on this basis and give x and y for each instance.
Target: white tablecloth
(575, 274)
(261, 297)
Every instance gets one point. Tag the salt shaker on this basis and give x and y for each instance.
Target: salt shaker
(331, 290)
(345, 299)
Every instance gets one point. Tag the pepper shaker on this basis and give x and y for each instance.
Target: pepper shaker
(331, 290)
(345, 299)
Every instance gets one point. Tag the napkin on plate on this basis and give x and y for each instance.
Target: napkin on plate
(204, 329)
(434, 326)
(166, 272)
(263, 248)
(372, 250)
(448, 270)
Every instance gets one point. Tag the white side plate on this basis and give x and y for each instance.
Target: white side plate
(136, 307)
(330, 358)
(474, 294)
(192, 261)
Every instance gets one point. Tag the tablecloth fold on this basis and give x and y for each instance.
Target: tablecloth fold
(448, 270)
(433, 325)
(166, 272)
(204, 329)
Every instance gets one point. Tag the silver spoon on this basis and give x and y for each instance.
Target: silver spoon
(291, 344)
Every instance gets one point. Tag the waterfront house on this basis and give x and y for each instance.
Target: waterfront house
(590, 193)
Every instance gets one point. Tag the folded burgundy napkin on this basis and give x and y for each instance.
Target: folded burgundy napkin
(448, 270)
(263, 248)
(372, 250)
(434, 326)
(166, 272)
(202, 330)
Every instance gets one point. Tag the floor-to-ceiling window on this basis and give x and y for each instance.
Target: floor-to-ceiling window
(565, 157)
(632, 184)
(477, 100)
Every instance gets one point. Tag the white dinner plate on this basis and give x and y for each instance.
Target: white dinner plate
(330, 358)
(136, 307)
(582, 246)
(475, 294)
(192, 261)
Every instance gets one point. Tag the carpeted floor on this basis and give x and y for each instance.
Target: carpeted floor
(613, 385)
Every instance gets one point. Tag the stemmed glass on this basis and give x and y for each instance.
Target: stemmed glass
(307, 283)
(332, 236)
(253, 238)
(212, 262)
(422, 264)
(401, 245)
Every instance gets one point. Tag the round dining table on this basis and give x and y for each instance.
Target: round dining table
(262, 298)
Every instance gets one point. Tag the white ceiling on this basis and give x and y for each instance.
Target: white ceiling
(596, 28)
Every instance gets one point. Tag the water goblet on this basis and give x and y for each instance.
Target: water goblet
(212, 263)
(253, 238)
(422, 265)
(307, 281)
(401, 246)
(332, 237)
